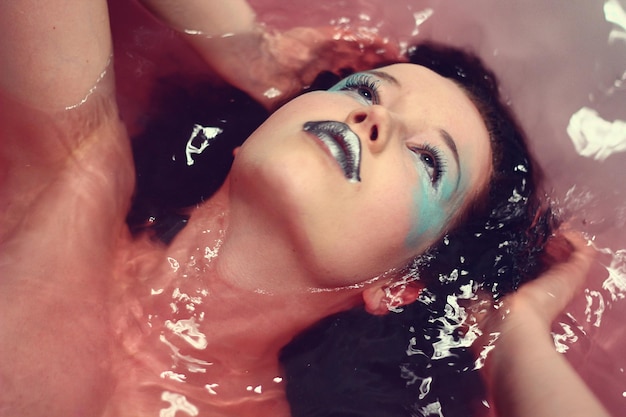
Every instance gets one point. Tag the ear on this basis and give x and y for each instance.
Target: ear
(385, 297)
(236, 151)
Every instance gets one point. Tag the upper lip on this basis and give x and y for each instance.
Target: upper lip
(343, 144)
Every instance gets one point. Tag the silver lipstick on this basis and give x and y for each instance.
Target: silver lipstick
(343, 143)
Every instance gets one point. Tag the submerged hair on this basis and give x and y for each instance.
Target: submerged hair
(176, 167)
(416, 361)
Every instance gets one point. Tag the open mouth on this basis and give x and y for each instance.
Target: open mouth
(343, 143)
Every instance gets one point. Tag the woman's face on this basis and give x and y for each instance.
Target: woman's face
(363, 177)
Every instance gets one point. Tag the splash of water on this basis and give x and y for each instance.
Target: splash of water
(615, 282)
(202, 134)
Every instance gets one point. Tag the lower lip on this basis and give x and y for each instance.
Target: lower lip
(327, 151)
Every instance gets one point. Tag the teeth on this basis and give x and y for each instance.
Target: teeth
(343, 143)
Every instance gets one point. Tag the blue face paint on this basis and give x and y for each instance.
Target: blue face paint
(446, 189)
(429, 211)
(428, 216)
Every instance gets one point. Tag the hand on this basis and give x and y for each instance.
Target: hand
(275, 66)
(538, 303)
(524, 373)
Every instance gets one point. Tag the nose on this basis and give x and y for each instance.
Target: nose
(373, 125)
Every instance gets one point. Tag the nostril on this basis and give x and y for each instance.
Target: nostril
(374, 133)
(359, 118)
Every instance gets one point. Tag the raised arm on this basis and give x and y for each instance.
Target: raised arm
(266, 65)
(211, 18)
(66, 179)
(56, 94)
(526, 375)
(52, 52)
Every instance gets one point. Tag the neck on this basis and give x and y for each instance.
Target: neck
(243, 285)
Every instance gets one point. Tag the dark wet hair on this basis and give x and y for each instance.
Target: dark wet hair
(167, 184)
(356, 364)
(501, 239)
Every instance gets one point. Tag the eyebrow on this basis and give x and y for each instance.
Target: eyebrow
(449, 141)
(387, 77)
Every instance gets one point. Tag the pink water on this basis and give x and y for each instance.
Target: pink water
(553, 59)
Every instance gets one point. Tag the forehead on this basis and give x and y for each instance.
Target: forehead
(446, 100)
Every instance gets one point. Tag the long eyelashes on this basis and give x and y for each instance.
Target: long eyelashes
(363, 84)
(433, 161)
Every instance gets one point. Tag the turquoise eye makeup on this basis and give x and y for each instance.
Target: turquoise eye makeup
(363, 85)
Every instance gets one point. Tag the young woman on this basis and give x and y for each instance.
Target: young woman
(326, 204)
